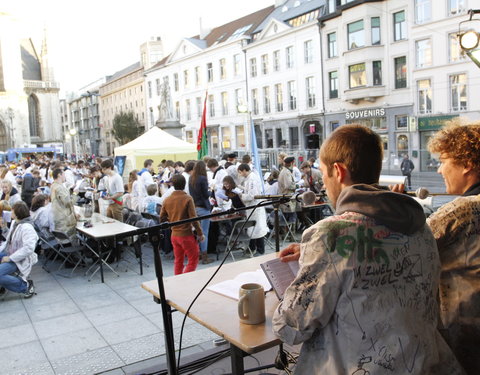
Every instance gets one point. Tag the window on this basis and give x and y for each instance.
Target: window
(224, 103)
(238, 98)
(455, 52)
(226, 138)
(269, 138)
(158, 86)
(289, 57)
(198, 102)
(236, 64)
(331, 6)
(177, 110)
(265, 64)
(197, 76)
(333, 84)
(150, 89)
(424, 90)
(279, 97)
(294, 139)
(253, 67)
(332, 44)
(456, 7)
(401, 122)
(240, 135)
(310, 91)
(280, 141)
(399, 26)
(377, 73)
(308, 52)
(152, 118)
(189, 109)
(358, 75)
(292, 95)
(223, 69)
(423, 11)
(209, 72)
(211, 105)
(175, 81)
(375, 23)
(266, 99)
(276, 61)
(400, 72)
(185, 78)
(356, 35)
(255, 101)
(458, 90)
(424, 53)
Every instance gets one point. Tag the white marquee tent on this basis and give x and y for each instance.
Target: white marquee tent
(157, 145)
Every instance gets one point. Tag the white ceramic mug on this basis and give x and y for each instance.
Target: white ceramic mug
(251, 304)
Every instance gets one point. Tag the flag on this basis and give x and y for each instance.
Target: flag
(202, 144)
(256, 157)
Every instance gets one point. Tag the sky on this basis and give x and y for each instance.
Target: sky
(89, 39)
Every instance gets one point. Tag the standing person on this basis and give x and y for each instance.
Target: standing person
(287, 185)
(456, 227)
(251, 187)
(198, 187)
(146, 173)
(180, 206)
(114, 186)
(17, 253)
(31, 181)
(407, 167)
(136, 190)
(64, 217)
(312, 177)
(187, 173)
(368, 275)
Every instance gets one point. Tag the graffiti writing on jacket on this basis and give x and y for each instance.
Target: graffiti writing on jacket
(364, 243)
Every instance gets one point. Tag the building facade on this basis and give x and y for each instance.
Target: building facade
(29, 101)
(381, 70)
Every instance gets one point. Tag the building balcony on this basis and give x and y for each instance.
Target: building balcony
(40, 84)
(368, 93)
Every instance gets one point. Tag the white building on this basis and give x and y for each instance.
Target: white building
(383, 60)
(29, 102)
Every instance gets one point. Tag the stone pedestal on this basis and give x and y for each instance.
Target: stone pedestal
(172, 127)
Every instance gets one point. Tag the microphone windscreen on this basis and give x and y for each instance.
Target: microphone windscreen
(422, 193)
(309, 198)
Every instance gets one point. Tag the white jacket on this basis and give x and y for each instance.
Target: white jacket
(251, 187)
(22, 247)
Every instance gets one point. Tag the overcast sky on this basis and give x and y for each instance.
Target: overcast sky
(89, 39)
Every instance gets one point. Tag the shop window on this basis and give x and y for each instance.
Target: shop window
(240, 135)
(401, 122)
(402, 145)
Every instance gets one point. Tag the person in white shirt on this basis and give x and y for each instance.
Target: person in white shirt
(137, 192)
(219, 173)
(69, 177)
(146, 173)
(115, 190)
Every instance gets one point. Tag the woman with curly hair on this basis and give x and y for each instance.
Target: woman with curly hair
(456, 227)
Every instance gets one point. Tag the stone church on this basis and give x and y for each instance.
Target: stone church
(29, 95)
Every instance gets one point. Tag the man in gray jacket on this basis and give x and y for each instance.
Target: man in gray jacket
(364, 300)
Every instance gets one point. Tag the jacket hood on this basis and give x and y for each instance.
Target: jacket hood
(398, 212)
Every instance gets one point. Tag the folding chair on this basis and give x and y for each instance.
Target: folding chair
(285, 223)
(71, 252)
(240, 229)
(46, 242)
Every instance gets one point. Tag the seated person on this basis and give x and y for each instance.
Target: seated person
(17, 253)
(231, 192)
(271, 187)
(41, 213)
(152, 199)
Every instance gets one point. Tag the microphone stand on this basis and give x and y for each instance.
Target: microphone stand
(154, 235)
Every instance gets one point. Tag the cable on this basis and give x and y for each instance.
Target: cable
(210, 279)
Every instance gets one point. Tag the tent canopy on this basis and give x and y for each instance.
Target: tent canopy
(157, 145)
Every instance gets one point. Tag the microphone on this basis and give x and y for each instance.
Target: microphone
(420, 193)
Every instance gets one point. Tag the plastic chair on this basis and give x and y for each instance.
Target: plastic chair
(240, 236)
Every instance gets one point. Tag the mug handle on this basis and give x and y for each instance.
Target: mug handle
(241, 302)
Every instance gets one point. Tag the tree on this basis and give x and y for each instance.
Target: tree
(126, 127)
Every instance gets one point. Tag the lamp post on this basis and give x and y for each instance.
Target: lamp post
(11, 116)
(469, 36)
(73, 133)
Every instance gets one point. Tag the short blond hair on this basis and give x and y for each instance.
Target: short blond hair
(460, 141)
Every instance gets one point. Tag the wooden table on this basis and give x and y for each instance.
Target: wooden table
(103, 228)
(219, 313)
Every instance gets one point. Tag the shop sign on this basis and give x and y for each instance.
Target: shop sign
(433, 122)
(366, 113)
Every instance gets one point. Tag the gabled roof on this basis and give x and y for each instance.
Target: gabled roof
(273, 27)
(124, 72)
(291, 9)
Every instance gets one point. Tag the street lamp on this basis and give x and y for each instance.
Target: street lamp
(469, 37)
(73, 133)
(11, 116)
